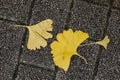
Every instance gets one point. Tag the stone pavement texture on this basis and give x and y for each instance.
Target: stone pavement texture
(96, 17)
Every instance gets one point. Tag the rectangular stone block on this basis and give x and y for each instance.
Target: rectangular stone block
(78, 70)
(15, 10)
(10, 43)
(89, 18)
(109, 65)
(44, 9)
(56, 10)
(30, 73)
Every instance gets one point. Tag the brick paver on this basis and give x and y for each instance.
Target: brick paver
(15, 10)
(55, 10)
(109, 65)
(96, 17)
(26, 72)
(10, 43)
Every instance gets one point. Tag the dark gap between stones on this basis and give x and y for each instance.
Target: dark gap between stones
(69, 15)
(100, 50)
(23, 41)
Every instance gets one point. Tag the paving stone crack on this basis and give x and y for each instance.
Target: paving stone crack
(97, 63)
(69, 15)
(30, 11)
(108, 16)
(19, 56)
(34, 66)
(100, 50)
(116, 8)
(66, 27)
(10, 21)
(95, 3)
(55, 73)
(23, 41)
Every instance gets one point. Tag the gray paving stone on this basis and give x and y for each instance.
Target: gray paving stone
(30, 73)
(116, 3)
(10, 43)
(41, 58)
(89, 18)
(56, 10)
(92, 19)
(43, 9)
(78, 70)
(109, 66)
(105, 2)
(16, 10)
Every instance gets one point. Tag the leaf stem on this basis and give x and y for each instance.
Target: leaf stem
(20, 26)
(88, 44)
(83, 58)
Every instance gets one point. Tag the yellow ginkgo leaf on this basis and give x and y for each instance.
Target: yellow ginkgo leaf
(38, 33)
(104, 42)
(66, 46)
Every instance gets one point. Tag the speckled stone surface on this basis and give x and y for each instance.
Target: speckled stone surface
(95, 17)
(89, 18)
(109, 65)
(104, 2)
(78, 69)
(55, 10)
(10, 43)
(30, 73)
(16, 10)
(116, 3)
